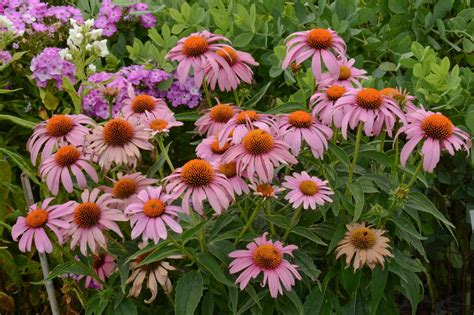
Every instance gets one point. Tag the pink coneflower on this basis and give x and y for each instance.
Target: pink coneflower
(266, 190)
(319, 44)
(199, 180)
(157, 273)
(258, 154)
(196, 52)
(348, 76)
(215, 118)
(365, 244)
(161, 122)
(239, 62)
(404, 100)
(369, 106)
(119, 141)
(263, 255)
(437, 133)
(57, 169)
(91, 217)
(59, 130)
(230, 172)
(150, 213)
(104, 265)
(306, 190)
(127, 187)
(323, 105)
(300, 125)
(239, 125)
(210, 149)
(143, 105)
(32, 227)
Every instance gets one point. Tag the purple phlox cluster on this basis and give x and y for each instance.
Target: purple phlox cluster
(5, 57)
(183, 94)
(49, 66)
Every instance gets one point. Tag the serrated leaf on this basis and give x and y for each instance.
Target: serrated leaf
(188, 293)
(208, 262)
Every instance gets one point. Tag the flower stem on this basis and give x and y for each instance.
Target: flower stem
(395, 160)
(208, 95)
(249, 222)
(266, 209)
(236, 96)
(415, 175)
(382, 141)
(182, 247)
(354, 157)
(292, 224)
(202, 237)
(165, 152)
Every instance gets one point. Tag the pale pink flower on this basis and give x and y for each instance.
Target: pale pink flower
(266, 190)
(370, 107)
(319, 44)
(161, 122)
(348, 76)
(299, 126)
(307, 190)
(118, 141)
(151, 212)
(32, 227)
(437, 133)
(198, 180)
(195, 52)
(259, 154)
(104, 265)
(59, 130)
(210, 150)
(323, 105)
(57, 168)
(404, 100)
(127, 187)
(267, 257)
(230, 172)
(239, 125)
(143, 105)
(91, 217)
(215, 118)
(239, 62)
(157, 273)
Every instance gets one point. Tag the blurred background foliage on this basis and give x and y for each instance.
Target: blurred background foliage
(425, 47)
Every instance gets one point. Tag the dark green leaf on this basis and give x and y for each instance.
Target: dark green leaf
(188, 293)
(208, 262)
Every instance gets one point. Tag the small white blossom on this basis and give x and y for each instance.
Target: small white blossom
(92, 67)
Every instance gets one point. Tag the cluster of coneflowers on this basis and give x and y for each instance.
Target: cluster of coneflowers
(243, 150)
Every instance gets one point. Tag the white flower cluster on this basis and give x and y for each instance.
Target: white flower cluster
(84, 37)
(6, 25)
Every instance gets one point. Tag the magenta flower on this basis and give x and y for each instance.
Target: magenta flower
(199, 180)
(141, 106)
(266, 190)
(264, 256)
(91, 217)
(239, 125)
(258, 154)
(150, 213)
(104, 265)
(404, 100)
(370, 107)
(230, 172)
(32, 227)
(127, 187)
(300, 125)
(437, 133)
(196, 52)
(118, 141)
(348, 76)
(210, 150)
(215, 118)
(306, 190)
(323, 105)
(58, 131)
(319, 44)
(239, 62)
(57, 169)
(161, 122)
(50, 67)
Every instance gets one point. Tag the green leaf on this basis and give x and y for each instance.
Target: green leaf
(187, 116)
(379, 280)
(420, 202)
(188, 293)
(74, 267)
(358, 194)
(18, 121)
(22, 163)
(286, 108)
(337, 236)
(76, 99)
(314, 301)
(258, 96)
(296, 301)
(340, 154)
(307, 233)
(160, 254)
(9, 267)
(441, 8)
(243, 39)
(398, 6)
(50, 101)
(208, 262)
(306, 265)
(126, 307)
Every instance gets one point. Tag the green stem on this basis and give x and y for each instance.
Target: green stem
(236, 96)
(202, 237)
(300, 84)
(292, 224)
(395, 160)
(165, 152)
(182, 248)
(208, 95)
(415, 175)
(354, 157)
(266, 209)
(335, 134)
(382, 141)
(249, 222)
